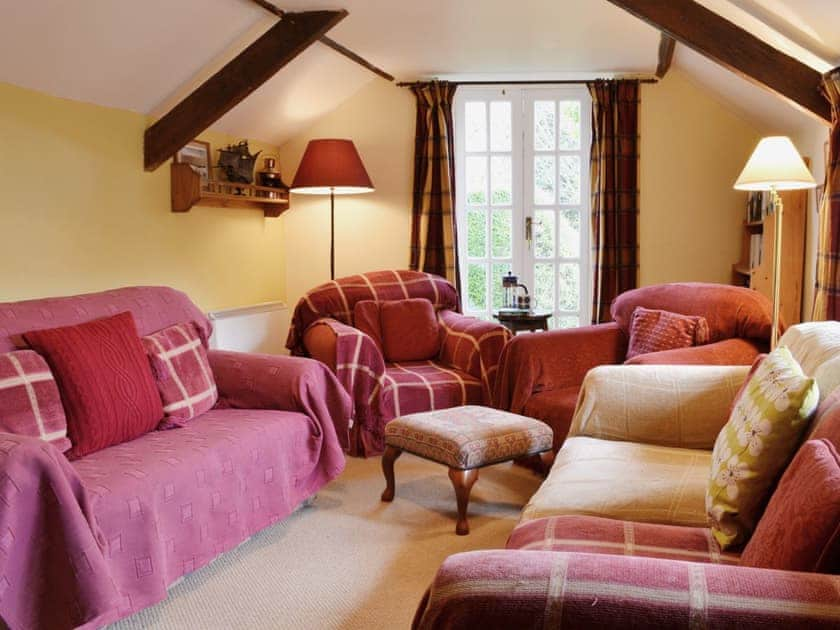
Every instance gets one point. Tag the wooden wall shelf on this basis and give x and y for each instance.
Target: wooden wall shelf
(187, 192)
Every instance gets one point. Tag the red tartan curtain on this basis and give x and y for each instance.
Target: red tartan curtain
(614, 166)
(827, 297)
(434, 242)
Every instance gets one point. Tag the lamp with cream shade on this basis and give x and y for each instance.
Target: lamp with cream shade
(331, 167)
(775, 165)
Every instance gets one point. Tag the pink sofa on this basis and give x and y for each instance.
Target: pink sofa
(90, 541)
(540, 375)
(462, 373)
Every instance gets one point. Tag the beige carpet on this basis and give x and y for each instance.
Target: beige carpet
(349, 561)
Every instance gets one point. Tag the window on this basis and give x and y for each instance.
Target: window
(522, 181)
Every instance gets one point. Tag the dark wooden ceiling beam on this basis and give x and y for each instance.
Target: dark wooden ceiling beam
(255, 65)
(331, 43)
(666, 55)
(736, 49)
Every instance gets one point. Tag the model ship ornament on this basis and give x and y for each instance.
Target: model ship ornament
(237, 162)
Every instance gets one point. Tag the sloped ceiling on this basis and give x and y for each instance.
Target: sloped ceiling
(143, 56)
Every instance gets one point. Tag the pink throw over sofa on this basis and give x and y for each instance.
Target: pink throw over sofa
(86, 542)
(540, 375)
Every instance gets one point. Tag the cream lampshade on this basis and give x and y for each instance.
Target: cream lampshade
(775, 165)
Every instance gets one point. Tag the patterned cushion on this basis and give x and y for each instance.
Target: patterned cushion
(421, 386)
(653, 330)
(756, 444)
(29, 399)
(468, 437)
(800, 529)
(592, 534)
(103, 375)
(182, 372)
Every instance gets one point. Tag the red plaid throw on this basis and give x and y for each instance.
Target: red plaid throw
(29, 400)
(182, 372)
(336, 299)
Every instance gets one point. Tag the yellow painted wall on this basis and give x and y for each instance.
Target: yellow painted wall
(692, 149)
(78, 213)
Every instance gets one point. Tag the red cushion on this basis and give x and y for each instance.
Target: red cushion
(800, 529)
(29, 399)
(653, 330)
(409, 330)
(105, 381)
(182, 372)
(366, 319)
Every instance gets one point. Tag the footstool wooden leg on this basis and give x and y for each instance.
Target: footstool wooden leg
(462, 481)
(388, 458)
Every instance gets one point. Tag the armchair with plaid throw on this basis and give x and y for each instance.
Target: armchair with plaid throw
(462, 372)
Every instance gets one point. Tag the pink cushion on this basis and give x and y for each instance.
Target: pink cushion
(366, 319)
(800, 529)
(29, 399)
(182, 372)
(409, 330)
(654, 330)
(105, 381)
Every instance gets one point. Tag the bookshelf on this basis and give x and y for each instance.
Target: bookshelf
(755, 267)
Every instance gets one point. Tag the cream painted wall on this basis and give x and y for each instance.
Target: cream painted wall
(692, 149)
(78, 213)
(372, 230)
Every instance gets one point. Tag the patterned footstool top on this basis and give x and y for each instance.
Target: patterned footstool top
(468, 437)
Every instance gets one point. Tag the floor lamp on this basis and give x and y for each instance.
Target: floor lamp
(331, 167)
(775, 165)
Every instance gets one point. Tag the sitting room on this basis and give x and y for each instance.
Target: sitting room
(428, 315)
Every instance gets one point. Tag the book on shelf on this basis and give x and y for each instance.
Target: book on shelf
(756, 245)
(759, 205)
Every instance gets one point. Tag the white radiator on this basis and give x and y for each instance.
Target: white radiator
(258, 328)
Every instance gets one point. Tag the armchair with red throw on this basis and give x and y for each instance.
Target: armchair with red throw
(540, 375)
(398, 344)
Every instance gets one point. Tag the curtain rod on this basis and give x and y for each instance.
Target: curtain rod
(540, 82)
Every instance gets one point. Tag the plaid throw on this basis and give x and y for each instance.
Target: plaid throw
(29, 400)
(182, 372)
(337, 298)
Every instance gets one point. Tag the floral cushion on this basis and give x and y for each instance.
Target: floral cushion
(468, 437)
(755, 445)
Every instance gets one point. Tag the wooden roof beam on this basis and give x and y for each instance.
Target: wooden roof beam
(255, 65)
(666, 55)
(736, 49)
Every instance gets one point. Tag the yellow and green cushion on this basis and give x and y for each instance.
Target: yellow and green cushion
(753, 448)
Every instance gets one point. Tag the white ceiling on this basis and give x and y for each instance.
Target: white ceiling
(143, 56)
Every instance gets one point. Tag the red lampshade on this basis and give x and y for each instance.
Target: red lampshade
(331, 166)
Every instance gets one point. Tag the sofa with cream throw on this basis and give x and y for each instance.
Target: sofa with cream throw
(617, 536)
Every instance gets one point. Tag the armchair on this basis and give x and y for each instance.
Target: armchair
(540, 375)
(462, 372)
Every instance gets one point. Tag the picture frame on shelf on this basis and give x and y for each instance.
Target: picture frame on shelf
(197, 154)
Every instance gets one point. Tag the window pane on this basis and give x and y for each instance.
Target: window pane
(500, 126)
(476, 167)
(476, 287)
(502, 233)
(544, 286)
(544, 233)
(569, 189)
(569, 126)
(477, 233)
(569, 237)
(545, 179)
(476, 126)
(501, 180)
(569, 286)
(544, 125)
(499, 270)
(568, 322)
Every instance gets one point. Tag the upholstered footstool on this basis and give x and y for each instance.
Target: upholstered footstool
(464, 439)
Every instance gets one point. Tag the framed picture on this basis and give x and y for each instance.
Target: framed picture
(197, 155)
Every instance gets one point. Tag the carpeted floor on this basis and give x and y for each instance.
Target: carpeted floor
(349, 561)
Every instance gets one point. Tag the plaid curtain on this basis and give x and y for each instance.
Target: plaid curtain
(434, 243)
(614, 166)
(827, 296)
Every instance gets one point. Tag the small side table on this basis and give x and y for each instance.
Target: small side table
(518, 320)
